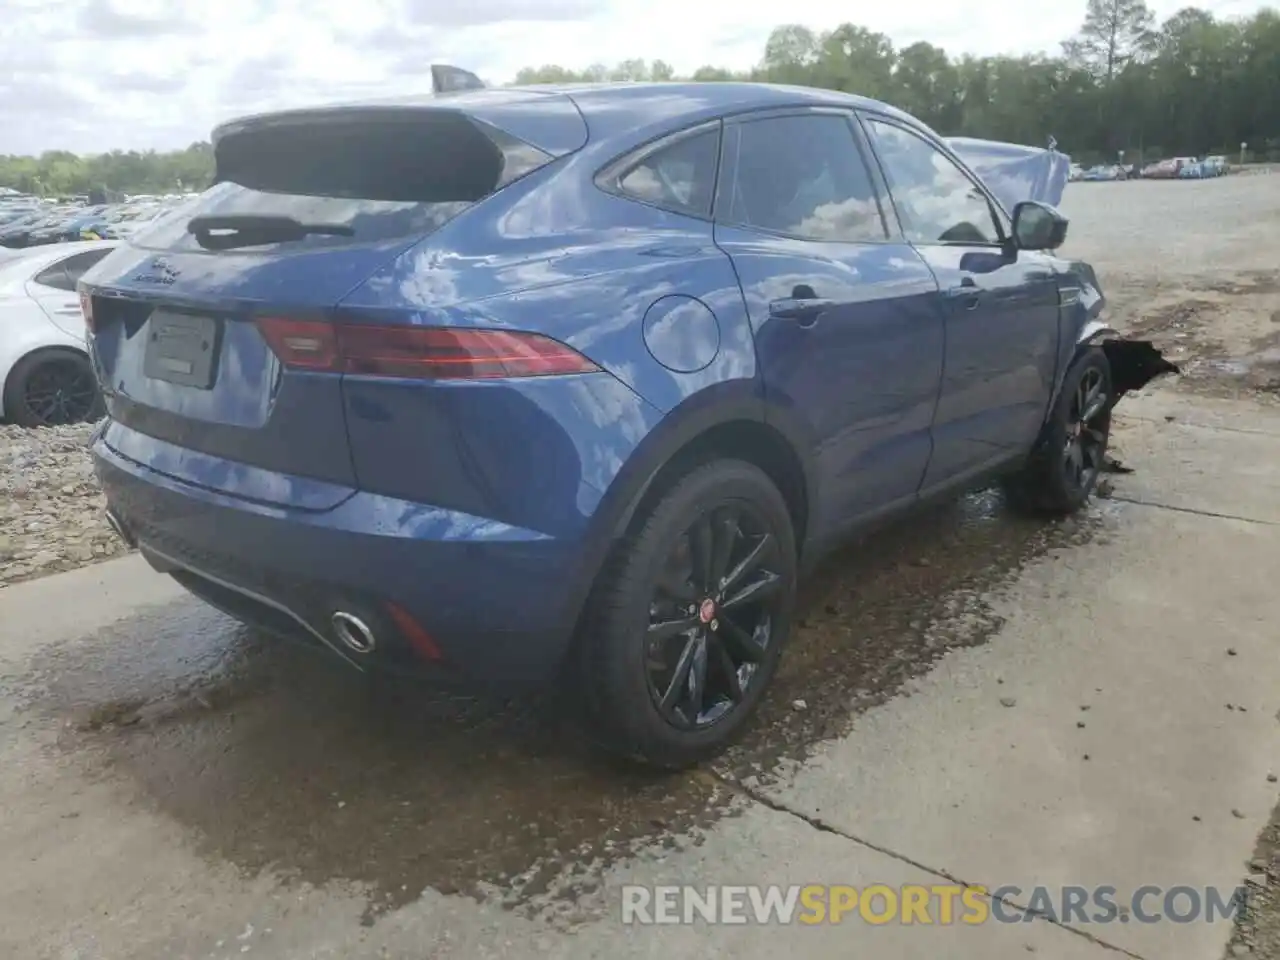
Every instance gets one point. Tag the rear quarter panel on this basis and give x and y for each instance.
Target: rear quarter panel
(580, 266)
(584, 268)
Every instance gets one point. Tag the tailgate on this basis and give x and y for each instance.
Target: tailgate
(181, 359)
(308, 206)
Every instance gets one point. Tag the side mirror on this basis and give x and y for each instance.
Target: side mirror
(1038, 226)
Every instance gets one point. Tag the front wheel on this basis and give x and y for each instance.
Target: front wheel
(1062, 472)
(687, 623)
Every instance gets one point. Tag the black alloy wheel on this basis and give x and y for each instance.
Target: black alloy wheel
(711, 616)
(59, 392)
(52, 388)
(689, 617)
(1060, 474)
(1088, 426)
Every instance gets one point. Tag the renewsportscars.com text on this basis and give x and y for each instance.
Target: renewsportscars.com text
(936, 904)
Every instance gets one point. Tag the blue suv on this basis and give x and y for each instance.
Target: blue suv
(515, 385)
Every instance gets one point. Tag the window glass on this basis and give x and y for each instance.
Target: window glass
(680, 177)
(55, 276)
(64, 274)
(937, 202)
(79, 265)
(804, 177)
(371, 175)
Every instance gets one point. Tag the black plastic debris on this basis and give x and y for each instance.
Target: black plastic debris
(1134, 364)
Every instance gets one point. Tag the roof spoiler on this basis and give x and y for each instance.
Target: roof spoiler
(448, 79)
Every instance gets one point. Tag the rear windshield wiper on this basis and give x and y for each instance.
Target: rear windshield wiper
(251, 230)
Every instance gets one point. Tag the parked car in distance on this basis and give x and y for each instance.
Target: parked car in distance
(45, 375)
(1162, 169)
(570, 383)
(14, 234)
(1206, 168)
(66, 229)
(20, 235)
(12, 213)
(1106, 171)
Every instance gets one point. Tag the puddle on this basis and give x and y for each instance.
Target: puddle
(277, 759)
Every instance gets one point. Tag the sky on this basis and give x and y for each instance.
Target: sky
(97, 75)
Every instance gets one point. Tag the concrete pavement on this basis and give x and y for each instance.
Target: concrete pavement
(1125, 647)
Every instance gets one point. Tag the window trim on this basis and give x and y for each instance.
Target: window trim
(609, 177)
(994, 207)
(729, 170)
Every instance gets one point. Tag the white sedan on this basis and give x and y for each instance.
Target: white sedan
(46, 378)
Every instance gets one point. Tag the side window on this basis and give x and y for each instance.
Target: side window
(55, 276)
(937, 202)
(679, 177)
(64, 274)
(802, 176)
(79, 265)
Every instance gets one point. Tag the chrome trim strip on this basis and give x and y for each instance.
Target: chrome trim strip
(266, 601)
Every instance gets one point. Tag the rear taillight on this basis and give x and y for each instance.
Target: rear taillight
(432, 353)
(86, 308)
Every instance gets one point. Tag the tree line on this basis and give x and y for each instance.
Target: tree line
(1192, 85)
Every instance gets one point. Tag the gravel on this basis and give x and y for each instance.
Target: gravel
(51, 510)
(1257, 928)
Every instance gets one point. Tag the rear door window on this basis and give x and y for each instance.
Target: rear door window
(800, 176)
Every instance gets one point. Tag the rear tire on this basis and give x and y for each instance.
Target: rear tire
(52, 388)
(687, 622)
(1062, 472)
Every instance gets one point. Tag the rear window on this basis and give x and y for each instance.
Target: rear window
(380, 176)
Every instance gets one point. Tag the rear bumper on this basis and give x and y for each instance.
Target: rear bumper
(447, 595)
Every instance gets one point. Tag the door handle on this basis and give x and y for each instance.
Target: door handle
(805, 310)
(966, 294)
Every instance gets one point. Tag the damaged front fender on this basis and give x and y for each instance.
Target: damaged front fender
(1134, 363)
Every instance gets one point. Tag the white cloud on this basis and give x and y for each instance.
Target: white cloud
(91, 75)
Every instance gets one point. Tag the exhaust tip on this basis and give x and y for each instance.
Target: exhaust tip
(353, 632)
(119, 529)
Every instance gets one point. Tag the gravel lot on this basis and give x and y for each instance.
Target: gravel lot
(50, 505)
(1191, 265)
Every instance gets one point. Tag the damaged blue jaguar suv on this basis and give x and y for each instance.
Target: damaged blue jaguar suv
(569, 383)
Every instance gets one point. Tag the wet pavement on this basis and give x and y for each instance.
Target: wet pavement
(277, 757)
(179, 786)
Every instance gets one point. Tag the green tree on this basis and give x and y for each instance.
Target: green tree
(1114, 33)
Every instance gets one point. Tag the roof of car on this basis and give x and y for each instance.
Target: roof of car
(612, 107)
(728, 94)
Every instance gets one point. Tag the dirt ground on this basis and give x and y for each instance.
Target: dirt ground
(169, 774)
(1193, 266)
